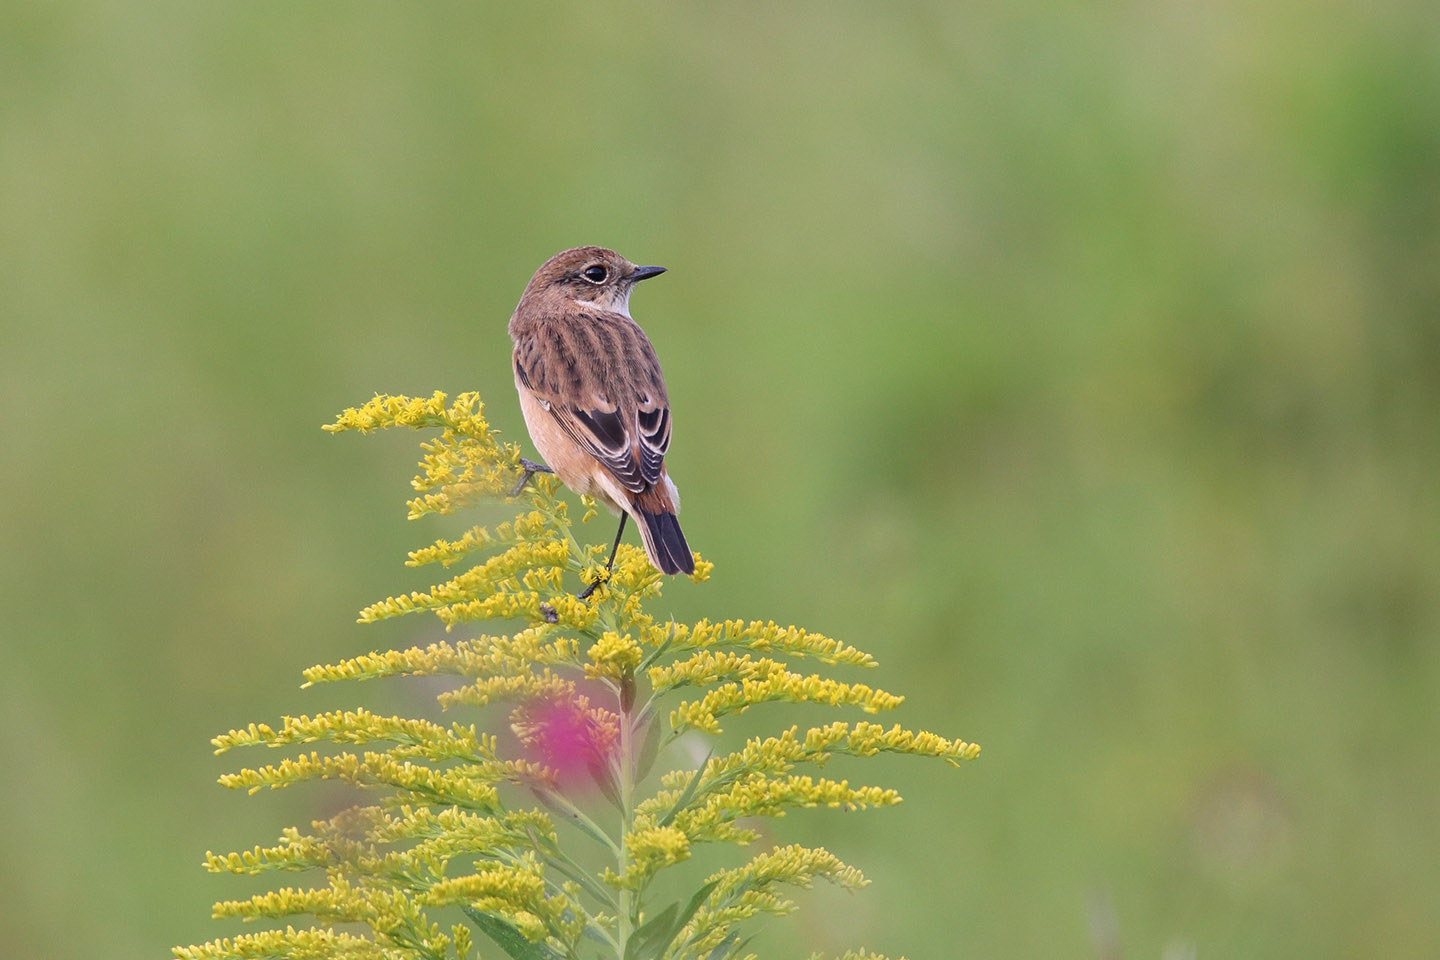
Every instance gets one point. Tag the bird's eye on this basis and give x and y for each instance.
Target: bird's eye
(596, 274)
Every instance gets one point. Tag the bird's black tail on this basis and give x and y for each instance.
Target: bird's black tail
(664, 543)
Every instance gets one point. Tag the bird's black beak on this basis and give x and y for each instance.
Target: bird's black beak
(645, 273)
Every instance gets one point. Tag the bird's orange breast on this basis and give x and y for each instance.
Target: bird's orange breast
(574, 466)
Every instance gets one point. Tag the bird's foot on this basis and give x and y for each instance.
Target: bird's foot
(585, 594)
(531, 468)
(609, 564)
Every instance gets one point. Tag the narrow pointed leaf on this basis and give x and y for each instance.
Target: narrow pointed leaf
(604, 777)
(725, 948)
(507, 938)
(641, 945)
(692, 906)
(689, 792)
(585, 826)
(649, 748)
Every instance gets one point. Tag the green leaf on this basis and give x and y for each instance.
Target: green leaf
(692, 906)
(649, 747)
(725, 948)
(590, 933)
(652, 933)
(543, 845)
(689, 792)
(507, 938)
(603, 774)
(586, 827)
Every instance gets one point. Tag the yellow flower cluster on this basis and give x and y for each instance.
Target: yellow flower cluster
(530, 526)
(776, 755)
(650, 848)
(587, 729)
(503, 571)
(293, 852)
(484, 823)
(539, 601)
(308, 944)
(470, 786)
(465, 465)
(517, 892)
(760, 796)
(482, 657)
(744, 892)
(614, 656)
(357, 839)
(770, 637)
(526, 687)
(426, 739)
(391, 893)
(776, 685)
(382, 411)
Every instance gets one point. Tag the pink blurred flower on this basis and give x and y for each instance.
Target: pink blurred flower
(569, 736)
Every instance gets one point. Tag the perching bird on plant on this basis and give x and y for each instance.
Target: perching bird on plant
(594, 398)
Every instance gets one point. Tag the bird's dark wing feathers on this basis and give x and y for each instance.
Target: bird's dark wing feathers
(602, 384)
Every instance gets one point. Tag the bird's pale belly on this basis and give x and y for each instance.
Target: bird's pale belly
(576, 469)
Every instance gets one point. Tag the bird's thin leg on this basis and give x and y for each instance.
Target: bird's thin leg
(614, 548)
(531, 468)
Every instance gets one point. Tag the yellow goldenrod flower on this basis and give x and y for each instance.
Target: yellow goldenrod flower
(650, 848)
(744, 892)
(614, 656)
(562, 707)
(311, 944)
(779, 685)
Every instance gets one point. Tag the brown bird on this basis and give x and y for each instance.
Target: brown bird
(594, 398)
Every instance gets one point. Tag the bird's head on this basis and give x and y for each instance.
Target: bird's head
(590, 276)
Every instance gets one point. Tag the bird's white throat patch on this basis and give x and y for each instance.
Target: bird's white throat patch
(622, 308)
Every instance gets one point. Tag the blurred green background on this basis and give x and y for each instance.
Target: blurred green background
(1082, 361)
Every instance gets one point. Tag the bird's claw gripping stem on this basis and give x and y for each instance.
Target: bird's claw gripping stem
(531, 468)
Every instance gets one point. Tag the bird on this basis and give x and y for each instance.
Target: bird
(594, 399)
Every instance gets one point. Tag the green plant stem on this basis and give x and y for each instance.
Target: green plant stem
(625, 916)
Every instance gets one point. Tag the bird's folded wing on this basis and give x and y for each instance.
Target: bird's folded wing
(603, 385)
